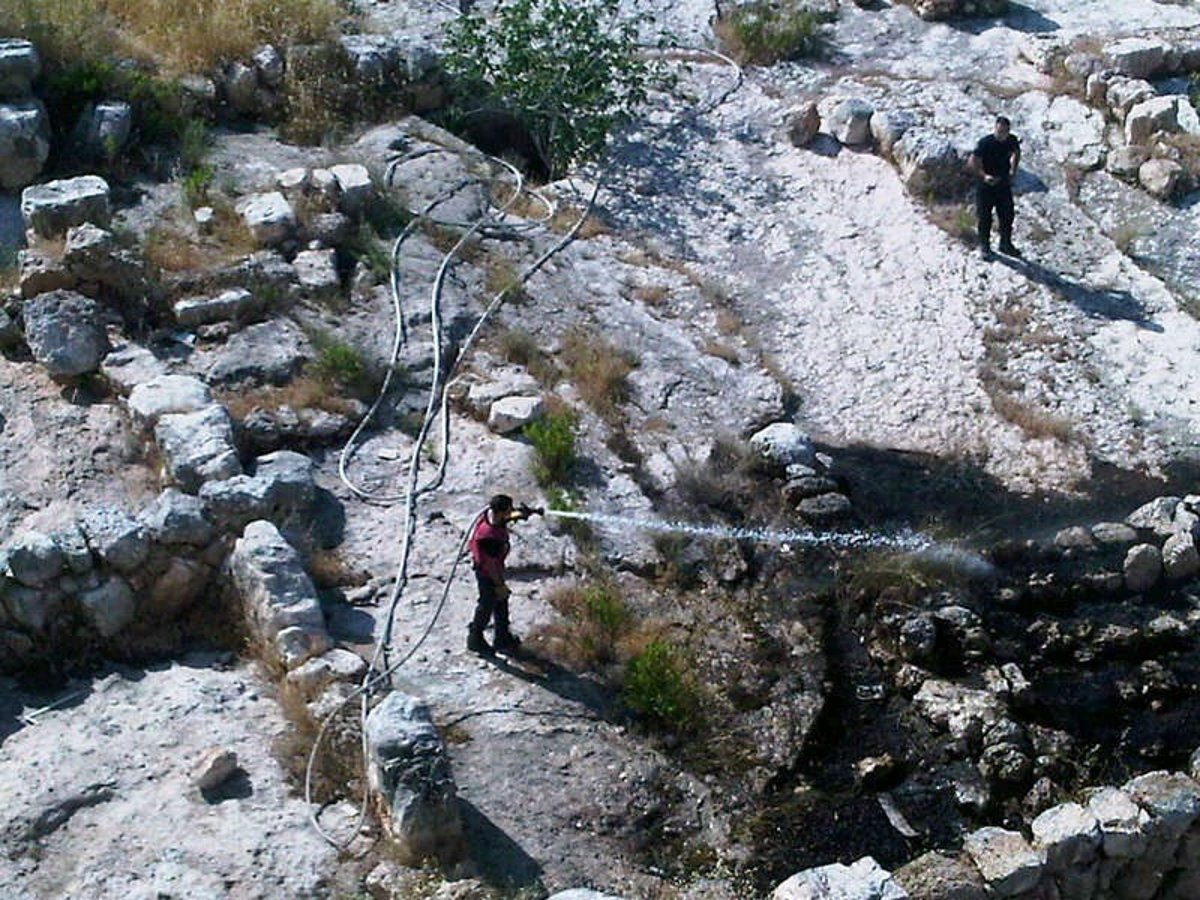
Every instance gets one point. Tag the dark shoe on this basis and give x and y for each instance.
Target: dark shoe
(985, 253)
(507, 642)
(1009, 250)
(477, 643)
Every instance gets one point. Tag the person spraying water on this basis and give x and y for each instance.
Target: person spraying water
(488, 546)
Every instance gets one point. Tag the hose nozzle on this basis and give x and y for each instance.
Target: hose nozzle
(525, 510)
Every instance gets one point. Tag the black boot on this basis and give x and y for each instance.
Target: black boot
(477, 643)
(507, 642)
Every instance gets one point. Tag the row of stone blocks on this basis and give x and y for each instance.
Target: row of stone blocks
(1140, 841)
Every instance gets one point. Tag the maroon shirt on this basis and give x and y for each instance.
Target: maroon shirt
(489, 547)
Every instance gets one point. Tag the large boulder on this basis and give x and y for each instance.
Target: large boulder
(1005, 860)
(103, 129)
(509, 414)
(964, 712)
(1143, 567)
(51, 209)
(41, 273)
(268, 216)
(64, 333)
(280, 601)
(34, 558)
(929, 165)
(198, 446)
(116, 537)
(93, 255)
(1138, 57)
(129, 365)
(19, 66)
(111, 606)
(1171, 114)
(355, 188)
(177, 518)
(24, 142)
(887, 127)
(233, 304)
(1123, 824)
(782, 444)
(849, 120)
(861, 880)
(1069, 834)
(409, 770)
(167, 395)
(1180, 558)
(282, 487)
(802, 123)
(1163, 178)
(935, 876)
(267, 353)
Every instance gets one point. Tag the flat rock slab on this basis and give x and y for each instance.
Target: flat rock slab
(51, 209)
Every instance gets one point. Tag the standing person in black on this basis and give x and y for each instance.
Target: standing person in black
(994, 163)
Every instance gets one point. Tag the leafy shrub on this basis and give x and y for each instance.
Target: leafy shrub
(196, 183)
(766, 32)
(553, 440)
(659, 688)
(569, 70)
(338, 363)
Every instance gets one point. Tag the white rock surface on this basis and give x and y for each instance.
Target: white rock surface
(268, 216)
(163, 395)
(510, 414)
(864, 879)
(234, 303)
(198, 446)
(279, 598)
(109, 801)
(1005, 860)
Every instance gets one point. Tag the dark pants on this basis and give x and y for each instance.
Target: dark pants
(998, 196)
(490, 604)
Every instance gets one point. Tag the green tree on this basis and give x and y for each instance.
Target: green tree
(570, 70)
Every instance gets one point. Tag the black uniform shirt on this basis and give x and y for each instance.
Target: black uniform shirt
(996, 155)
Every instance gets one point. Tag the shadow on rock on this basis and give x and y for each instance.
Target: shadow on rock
(534, 669)
(501, 860)
(236, 787)
(1018, 18)
(958, 495)
(1098, 303)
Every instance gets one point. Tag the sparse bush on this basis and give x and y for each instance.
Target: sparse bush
(659, 688)
(596, 620)
(195, 185)
(600, 370)
(766, 32)
(339, 365)
(569, 70)
(553, 440)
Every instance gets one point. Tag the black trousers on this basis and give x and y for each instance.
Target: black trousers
(490, 604)
(1000, 198)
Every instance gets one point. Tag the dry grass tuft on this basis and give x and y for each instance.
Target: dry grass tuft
(181, 37)
(338, 768)
(304, 392)
(173, 245)
(599, 370)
